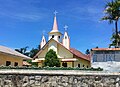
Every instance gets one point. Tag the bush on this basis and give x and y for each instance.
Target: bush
(51, 59)
(52, 68)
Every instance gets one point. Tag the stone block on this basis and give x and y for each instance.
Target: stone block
(45, 79)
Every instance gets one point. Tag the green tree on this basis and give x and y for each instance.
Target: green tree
(96, 47)
(114, 41)
(112, 14)
(35, 64)
(87, 51)
(51, 59)
(33, 52)
(23, 50)
(30, 53)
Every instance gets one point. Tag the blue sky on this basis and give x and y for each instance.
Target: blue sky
(22, 22)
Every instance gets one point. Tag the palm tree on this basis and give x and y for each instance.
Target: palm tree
(23, 50)
(112, 11)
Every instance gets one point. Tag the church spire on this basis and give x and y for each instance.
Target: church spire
(55, 34)
(43, 42)
(55, 26)
(66, 39)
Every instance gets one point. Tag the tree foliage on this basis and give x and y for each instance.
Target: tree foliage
(23, 50)
(112, 14)
(35, 64)
(31, 53)
(87, 51)
(51, 59)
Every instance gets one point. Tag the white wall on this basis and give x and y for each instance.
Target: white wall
(110, 66)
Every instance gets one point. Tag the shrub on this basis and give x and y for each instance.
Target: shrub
(51, 59)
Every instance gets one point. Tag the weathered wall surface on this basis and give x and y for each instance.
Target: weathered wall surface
(60, 79)
(110, 66)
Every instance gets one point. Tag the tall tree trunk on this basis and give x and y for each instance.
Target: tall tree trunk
(116, 31)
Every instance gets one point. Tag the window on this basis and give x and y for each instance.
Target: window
(59, 37)
(64, 64)
(87, 66)
(94, 58)
(65, 37)
(117, 52)
(79, 65)
(15, 64)
(112, 52)
(8, 63)
(83, 65)
(98, 52)
(52, 36)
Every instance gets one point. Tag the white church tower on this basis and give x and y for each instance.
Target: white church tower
(55, 34)
(66, 39)
(43, 42)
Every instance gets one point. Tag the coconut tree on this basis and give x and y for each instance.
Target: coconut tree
(23, 50)
(112, 14)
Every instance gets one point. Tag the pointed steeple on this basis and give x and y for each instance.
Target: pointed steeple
(55, 26)
(55, 34)
(43, 42)
(66, 39)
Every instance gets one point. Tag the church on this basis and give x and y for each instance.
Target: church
(69, 57)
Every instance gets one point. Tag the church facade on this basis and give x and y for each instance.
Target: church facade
(69, 57)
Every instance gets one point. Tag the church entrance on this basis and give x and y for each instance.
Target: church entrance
(64, 64)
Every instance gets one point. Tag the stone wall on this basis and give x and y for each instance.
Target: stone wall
(58, 79)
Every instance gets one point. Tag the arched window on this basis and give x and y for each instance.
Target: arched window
(65, 37)
(52, 36)
(79, 65)
(59, 37)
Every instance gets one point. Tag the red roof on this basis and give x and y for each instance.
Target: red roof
(79, 54)
(105, 49)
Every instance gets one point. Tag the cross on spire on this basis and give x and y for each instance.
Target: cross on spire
(65, 27)
(55, 12)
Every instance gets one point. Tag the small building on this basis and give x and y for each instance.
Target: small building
(106, 58)
(69, 57)
(10, 57)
